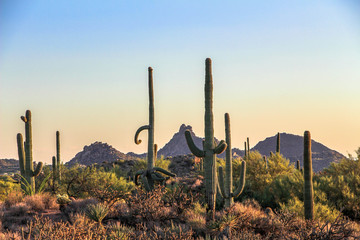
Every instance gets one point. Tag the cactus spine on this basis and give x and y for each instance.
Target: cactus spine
(210, 149)
(226, 190)
(151, 174)
(278, 143)
(25, 154)
(308, 183)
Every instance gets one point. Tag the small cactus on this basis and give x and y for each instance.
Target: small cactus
(151, 174)
(248, 146)
(210, 149)
(308, 183)
(226, 190)
(298, 165)
(278, 143)
(25, 154)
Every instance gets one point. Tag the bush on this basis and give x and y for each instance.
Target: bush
(97, 212)
(13, 198)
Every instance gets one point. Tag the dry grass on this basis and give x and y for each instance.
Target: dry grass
(13, 198)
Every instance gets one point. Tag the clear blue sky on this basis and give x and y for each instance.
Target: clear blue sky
(80, 66)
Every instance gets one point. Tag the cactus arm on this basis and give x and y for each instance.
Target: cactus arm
(137, 174)
(221, 185)
(38, 169)
(221, 147)
(193, 148)
(21, 153)
(146, 183)
(164, 171)
(157, 176)
(145, 127)
(240, 188)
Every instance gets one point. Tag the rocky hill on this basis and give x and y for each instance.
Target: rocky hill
(9, 166)
(177, 144)
(291, 146)
(98, 152)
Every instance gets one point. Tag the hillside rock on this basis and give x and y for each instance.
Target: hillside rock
(9, 166)
(177, 145)
(292, 146)
(183, 165)
(99, 153)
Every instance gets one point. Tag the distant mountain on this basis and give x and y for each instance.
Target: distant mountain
(9, 166)
(98, 152)
(291, 147)
(177, 144)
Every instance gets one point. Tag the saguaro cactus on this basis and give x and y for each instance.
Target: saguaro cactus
(151, 174)
(248, 146)
(278, 143)
(209, 149)
(308, 183)
(56, 162)
(298, 165)
(226, 190)
(25, 155)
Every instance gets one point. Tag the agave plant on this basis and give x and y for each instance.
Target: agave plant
(28, 188)
(97, 212)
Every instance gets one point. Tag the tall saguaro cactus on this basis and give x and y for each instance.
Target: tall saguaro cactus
(308, 183)
(25, 154)
(151, 174)
(56, 163)
(209, 149)
(278, 143)
(226, 190)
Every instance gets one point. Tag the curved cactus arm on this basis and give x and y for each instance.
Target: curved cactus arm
(21, 153)
(240, 188)
(157, 177)
(146, 183)
(145, 127)
(164, 171)
(37, 169)
(137, 174)
(193, 148)
(221, 147)
(221, 185)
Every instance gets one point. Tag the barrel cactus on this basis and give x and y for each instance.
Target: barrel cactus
(210, 149)
(25, 156)
(152, 173)
(226, 189)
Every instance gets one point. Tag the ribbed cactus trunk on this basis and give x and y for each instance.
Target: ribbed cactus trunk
(210, 150)
(245, 149)
(226, 189)
(25, 156)
(54, 172)
(210, 157)
(58, 161)
(278, 143)
(248, 146)
(308, 183)
(228, 178)
(151, 163)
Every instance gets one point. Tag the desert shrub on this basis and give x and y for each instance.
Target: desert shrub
(35, 203)
(341, 184)
(19, 209)
(7, 186)
(118, 231)
(179, 197)
(149, 206)
(109, 188)
(321, 212)
(97, 212)
(13, 198)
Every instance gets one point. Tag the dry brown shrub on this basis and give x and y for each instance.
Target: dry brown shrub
(35, 203)
(10, 236)
(49, 201)
(13, 198)
(19, 209)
